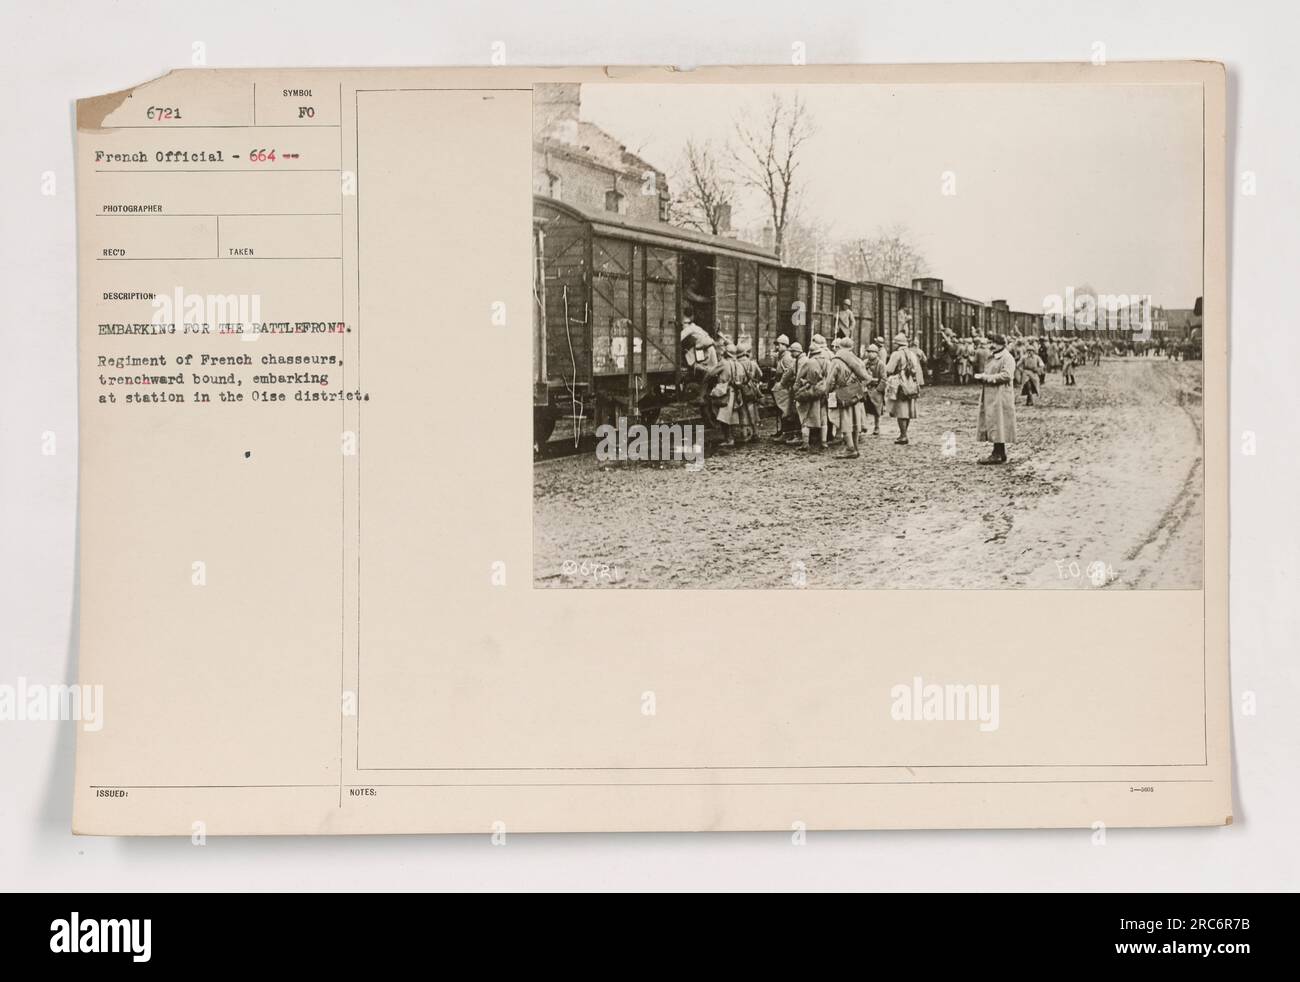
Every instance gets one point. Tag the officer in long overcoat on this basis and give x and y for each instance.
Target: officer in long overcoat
(997, 423)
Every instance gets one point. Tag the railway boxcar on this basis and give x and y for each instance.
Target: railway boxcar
(863, 297)
(928, 318)
(999, 317)
(769, 315)
(970, 318)
(609, 293)
(794, 302)
(824, 305)
(888, 313)
(914, 302)
(950, 313)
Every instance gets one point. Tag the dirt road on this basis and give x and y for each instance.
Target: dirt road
(1104, 491)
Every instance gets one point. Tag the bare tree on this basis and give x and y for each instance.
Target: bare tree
(766, 157)
(810, 244)
(889, 256)
(707, 191)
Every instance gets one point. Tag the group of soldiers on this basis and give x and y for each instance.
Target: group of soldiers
(835, 391)
(838, 393)
(1035, 357)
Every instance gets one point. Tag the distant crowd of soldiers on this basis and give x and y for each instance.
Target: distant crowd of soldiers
(835, 390)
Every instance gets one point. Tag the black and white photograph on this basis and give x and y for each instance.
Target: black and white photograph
(872, 336)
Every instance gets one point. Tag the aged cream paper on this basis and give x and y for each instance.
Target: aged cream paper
(307, 551)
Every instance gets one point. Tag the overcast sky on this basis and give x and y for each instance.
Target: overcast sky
(1057, 185)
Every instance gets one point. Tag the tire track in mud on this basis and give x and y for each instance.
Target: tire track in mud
(1156, 545)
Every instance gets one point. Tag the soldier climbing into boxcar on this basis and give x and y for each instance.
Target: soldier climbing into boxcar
(697, 345)
(700, 355)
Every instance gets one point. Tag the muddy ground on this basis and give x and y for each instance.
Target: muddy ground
(1103, 491)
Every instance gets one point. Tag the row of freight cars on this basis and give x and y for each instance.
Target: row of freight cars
(610, 291)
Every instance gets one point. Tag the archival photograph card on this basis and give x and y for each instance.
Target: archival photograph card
(864, 479)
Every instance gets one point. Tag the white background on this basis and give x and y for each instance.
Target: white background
(52, 53)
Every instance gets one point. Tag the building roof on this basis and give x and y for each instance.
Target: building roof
(659, 233)
(589, 141)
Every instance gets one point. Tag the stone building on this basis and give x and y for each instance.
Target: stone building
(580, 164)
(1180, 321)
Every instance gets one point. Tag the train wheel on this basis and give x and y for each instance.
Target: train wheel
(543, 425)
(608, 411)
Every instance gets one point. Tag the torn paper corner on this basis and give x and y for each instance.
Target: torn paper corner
(94, 110)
